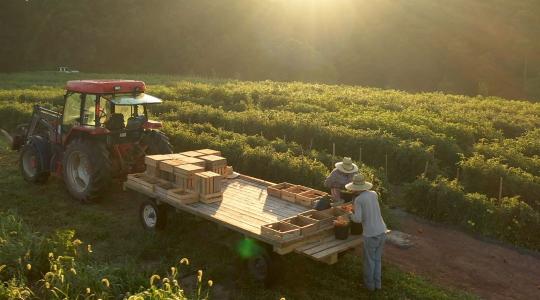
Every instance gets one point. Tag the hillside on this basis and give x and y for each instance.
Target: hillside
(461, 46)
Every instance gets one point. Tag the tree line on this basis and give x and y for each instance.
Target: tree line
(460, 46)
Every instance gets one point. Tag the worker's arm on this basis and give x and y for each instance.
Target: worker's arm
(357, 213)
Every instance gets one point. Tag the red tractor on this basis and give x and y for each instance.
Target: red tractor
(103, 133)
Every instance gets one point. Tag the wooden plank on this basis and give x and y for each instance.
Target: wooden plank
(267, 208)
(344, 245)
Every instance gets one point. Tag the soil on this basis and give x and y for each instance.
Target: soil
(456, 259)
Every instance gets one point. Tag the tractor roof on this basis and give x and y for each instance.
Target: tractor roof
(105, 86)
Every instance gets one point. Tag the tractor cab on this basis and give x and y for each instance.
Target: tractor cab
(106, 106)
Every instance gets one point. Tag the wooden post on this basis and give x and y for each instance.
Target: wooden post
(311, 144)
(500, 188)
(386, 165)
(285, 138)
(333, 152)
(457, 174)
(426, 168)
(360, 156)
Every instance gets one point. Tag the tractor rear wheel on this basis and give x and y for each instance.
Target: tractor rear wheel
(30, 165)
(157, 142)
(87, 169)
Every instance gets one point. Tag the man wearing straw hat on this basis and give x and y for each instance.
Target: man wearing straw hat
(339, 177)
(368, 212)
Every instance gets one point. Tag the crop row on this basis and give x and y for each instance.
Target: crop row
(445, 201)
(406, 159)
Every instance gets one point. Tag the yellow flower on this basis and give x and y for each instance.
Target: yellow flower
(154, 278)
(106, 282)
(88, 290)
(51, 255)
(28, 267)
(73, 271)
(89, 248)
(210, 283)
(184, 261)
(47, 285)
(77, 242)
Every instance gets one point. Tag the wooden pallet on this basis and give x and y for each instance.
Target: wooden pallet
(162, 189)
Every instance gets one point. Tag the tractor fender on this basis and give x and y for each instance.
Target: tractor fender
(43, 148)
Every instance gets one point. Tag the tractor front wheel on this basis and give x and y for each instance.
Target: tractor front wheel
(30, 165)
(87, 169)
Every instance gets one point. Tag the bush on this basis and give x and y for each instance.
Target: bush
(445, 201)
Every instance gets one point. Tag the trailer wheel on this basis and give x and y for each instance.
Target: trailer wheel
(153, 216)
(259, 267)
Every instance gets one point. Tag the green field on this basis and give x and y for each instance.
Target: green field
(410, 145)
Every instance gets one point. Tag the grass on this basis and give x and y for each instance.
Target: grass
(113, 229)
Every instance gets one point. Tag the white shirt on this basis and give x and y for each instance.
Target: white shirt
(368, 212)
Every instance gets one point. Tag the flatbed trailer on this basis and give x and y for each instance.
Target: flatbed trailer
(246, 206)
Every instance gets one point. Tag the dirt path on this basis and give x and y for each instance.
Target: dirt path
(453, 258)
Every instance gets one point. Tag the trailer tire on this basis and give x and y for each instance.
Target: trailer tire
(153, 216)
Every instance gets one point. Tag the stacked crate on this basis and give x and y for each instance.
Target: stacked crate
(214, 163)
(192, 153)
(185, 176)
(152, 163)
(166, 168)
(209, 186)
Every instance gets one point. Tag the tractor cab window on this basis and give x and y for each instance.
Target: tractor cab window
(72, 111)
(89, 110)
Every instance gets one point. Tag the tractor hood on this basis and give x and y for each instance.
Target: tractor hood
(130, 99)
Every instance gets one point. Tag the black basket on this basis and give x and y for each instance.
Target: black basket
(356, 228)
(341, 232)
(347, 196)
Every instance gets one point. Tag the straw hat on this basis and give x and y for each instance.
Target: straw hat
(359, 183)
(347, 166)
(230, 173)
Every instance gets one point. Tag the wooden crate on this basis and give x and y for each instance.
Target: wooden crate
(166, 168)
(209, 186)
(162, 189)
(195, 161)
(289, 194)
(181, 196)
(308, 226)
(280, 231)
(192, 153)
(209, 152)
(152, 163)
(307, 198)
(324, 219)
(214, 163)
(276, 189)
(336, 212)
(142, 181)
(185, 176)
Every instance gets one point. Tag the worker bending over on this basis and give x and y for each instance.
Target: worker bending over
(339, 177)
